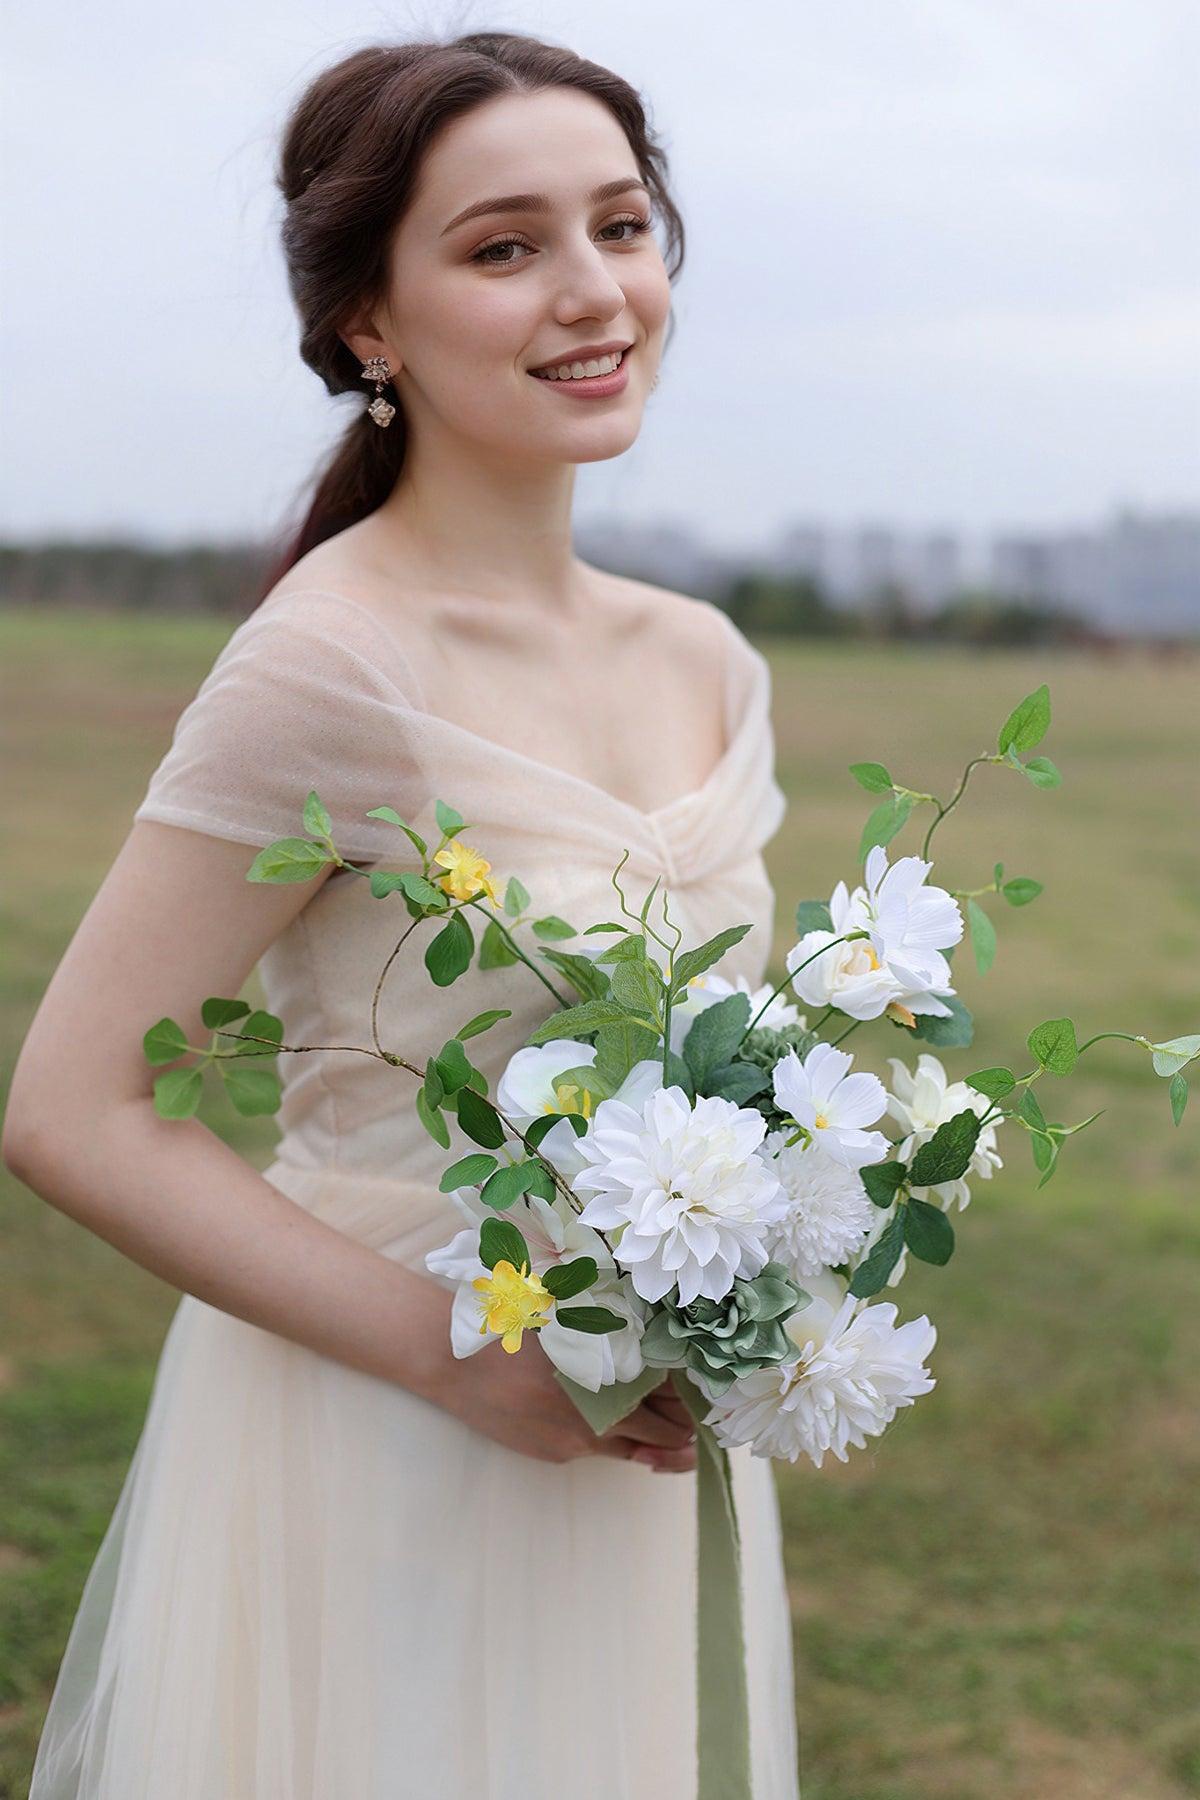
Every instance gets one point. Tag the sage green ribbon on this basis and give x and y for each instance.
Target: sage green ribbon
(722, 1707)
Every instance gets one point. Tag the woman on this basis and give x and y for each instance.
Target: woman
(346, 1565)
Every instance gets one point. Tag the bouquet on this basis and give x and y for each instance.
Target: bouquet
(678, 1173)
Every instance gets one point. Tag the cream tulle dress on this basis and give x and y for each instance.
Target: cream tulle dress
(315, 1585)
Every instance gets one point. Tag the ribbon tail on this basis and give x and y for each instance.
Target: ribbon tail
(722, 1701)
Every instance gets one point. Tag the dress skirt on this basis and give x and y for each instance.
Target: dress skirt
(317, 1586)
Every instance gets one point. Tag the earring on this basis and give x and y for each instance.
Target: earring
(376, 369)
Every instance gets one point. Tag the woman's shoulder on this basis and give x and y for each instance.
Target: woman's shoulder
(699, 628)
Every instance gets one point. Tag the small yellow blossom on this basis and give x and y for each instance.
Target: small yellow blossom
(468, 872)
(512, 1302)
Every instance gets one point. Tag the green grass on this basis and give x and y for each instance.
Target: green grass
(1000, 1600)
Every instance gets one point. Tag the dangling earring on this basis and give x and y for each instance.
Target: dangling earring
(376, 369)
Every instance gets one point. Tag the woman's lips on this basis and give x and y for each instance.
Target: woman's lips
(595, 387)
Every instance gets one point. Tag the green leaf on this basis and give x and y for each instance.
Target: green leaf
(553, 927)
(1020, 890)
(998, 873)
(1042, 772)
(630, 948)
(1178, 1092)
(947, 1155)
(433, 1090)
(887, 819)
(1027, 723)
(1175, 1054)
(448, 955)
(393, 818)
(714, 1034)
(953, 1033)
(433, 1121)
(605, 925)
(588, 981)
(252, 1090)
(983, 936)
(495, 951)
(483, 1022)
(637, 986)
(477, 1117)
(516, 898)
(165, 1041)
(694, 962)
(177, 1094)
(509, 1182)
(216, 1012)
(995, 1083)
(883, 1180)
(317, 821)
(468, 1171)
(928, 1232)
(288, 859)
(1029, 1109)
(565, 1279)
(449, 821)
(596, 1319)
(1054, 1045)
(453, 1066)
(813, 915)
(736, 1081)
(259, 1025)
(501, 1241)
(872, 776)
(871, 1274)
(578, 1021)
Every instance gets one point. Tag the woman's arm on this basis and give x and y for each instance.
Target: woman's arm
(174, 921)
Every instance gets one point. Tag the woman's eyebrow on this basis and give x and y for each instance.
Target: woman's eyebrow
(541, 203)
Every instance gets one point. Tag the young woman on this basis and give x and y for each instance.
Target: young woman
(344, 1564)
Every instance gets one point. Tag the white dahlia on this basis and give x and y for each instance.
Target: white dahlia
(692, 1200)
(829, 1213)
(530, 1087)
(853, 1372)
(832, 1104)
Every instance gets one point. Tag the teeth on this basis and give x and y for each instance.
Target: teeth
(603, 365)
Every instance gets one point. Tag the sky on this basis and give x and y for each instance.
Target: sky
(942, 272)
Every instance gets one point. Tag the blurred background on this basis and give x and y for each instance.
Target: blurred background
(929, 429)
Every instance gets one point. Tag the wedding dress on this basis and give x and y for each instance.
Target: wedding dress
(316, 1585)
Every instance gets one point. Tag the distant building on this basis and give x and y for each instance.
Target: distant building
(1139, 573)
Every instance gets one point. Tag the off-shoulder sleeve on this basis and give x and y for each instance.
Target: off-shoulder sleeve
(304, 694)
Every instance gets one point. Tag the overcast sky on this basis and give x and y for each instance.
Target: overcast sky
(943, 260)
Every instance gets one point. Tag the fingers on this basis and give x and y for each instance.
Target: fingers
(650, 1426)
(654, 1457)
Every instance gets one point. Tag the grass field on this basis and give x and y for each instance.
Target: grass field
(1001, 1601)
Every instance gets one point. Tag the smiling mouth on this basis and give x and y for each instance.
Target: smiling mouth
(550, 373)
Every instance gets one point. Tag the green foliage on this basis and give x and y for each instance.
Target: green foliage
(483, 1022)
(714, 1035)
(393, 818)
(495, 951)
(983, 936)
(1027, 724)
(954, 1032)
(694, 962)
(567, 1279)
(468, 1171)
(177, 1094)
(872, 776)
(1054, 1045)
(164, 1042)
(552, 927)
(501, 1241)
(448, 955)
(872, 1273)
(598, 1320)
(927, 1231)
(994, 1083)
(289, 859)
(813, 915)
(883, 1180)
(450, 823)
(587, 980)
(948, 1153)
(887, 819)
(477, 1117)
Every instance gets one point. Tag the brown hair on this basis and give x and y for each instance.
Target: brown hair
(348, 165)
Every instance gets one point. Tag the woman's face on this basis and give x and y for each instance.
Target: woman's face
(475, 304)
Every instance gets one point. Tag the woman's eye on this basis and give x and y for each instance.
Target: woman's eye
(635, 224)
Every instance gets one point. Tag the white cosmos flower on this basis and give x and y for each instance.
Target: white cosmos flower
(901, 960)
(829, 1213)
(693, 1201)
(529, 1088)
(922, 1102)
(706, 988)
(554, 1235)
(853, 1372)
(832, 1104)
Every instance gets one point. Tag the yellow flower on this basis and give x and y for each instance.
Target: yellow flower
(512, 1302)
(468, 874)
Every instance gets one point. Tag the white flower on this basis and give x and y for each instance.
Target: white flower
(555, 1235)
(530, 1087)
(693, 1201)
(706, 988)
(922, 1102)
(854, 1371)
(909, 925)
(829, 1214)
(831, 1104)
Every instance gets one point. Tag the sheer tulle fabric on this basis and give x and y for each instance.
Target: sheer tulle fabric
(314, 1585)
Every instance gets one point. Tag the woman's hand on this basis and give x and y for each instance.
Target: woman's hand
(517, 1400)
